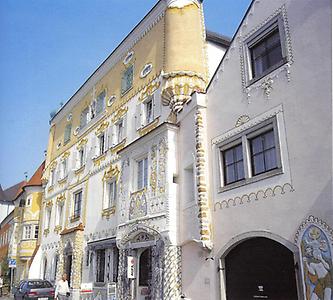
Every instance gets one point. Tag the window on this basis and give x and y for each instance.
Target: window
(111, 193)
(127, 79)
(263, 153)
(84, 117)
(47, 218)
(100, 103)
(52, 177)
(27, 232)
(63, 169)
(77, 205)
(120, 131)
(60, 208)
(100, 265)
(67, 134)
(36, 231)
(149, 113)
(101, 144)
(233, 165)
(266, 49)
(142, 173)
(81, 158)
(29, 201)
(250, 156)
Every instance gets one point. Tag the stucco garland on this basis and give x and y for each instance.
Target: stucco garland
(254, 196)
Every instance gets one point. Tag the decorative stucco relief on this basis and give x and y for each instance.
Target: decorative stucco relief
(202, 195)
(254, 196)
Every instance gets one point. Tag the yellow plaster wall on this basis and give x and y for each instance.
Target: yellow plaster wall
(184, 40)
(149, 49)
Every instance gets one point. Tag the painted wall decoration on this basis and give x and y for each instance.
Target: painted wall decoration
(317, 264)
(138, 205)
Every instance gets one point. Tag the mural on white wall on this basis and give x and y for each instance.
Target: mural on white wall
(317, 264)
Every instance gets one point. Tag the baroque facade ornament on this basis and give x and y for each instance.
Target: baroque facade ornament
(119, 114)
(101, 128)
(149, 90)
(112, 172)
(181, 3)
(179, 86)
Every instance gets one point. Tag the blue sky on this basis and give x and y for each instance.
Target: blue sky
(49, 48)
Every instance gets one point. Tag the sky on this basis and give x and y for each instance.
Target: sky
(49, 48)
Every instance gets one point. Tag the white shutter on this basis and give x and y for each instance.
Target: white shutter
(125, 126)
(157, 104)
(138, 117)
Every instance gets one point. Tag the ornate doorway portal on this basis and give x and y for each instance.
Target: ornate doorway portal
(68, 259)
(260, 268)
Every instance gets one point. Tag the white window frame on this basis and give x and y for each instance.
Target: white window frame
(29, 201)
(259, 35)
(108, 202)
(151, 100)
(81, 159)
(244, 139)
(59, 214)
(47, 218)
(36, 228)
(120, 138)
(145, 178)
(52, 177)
(63, 168)
(27, 232)
(101, 150)
(81, 202)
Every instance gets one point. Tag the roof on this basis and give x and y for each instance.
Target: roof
(36, 179)
(10, 194)
(217, 38)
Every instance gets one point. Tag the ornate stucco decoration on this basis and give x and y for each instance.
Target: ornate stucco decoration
(149, 90)
(119, 114)
(108, 212)
(128, 58)
(181, 3)
(53, 165)
(111, 100)
(118, 147)
(203, 202)
(58, 229)
(98, 160)
(179, 86)
(255, 196)
(46, 231)
(49, 203)
(148, 128)
(242, 120)
(101, 128)
(138, 204)
(146, 70)
(112, 172)
(81, 143)
(61, 199)
(153, 170)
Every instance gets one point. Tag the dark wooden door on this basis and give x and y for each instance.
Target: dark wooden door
(260, 268)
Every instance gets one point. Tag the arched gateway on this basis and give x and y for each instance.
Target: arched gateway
(260, 268)
(149, 267)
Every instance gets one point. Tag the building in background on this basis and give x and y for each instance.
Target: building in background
(25, 226)
(112, 201)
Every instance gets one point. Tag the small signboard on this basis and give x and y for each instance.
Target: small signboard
(131, 267)
(12, 263)
(86, 287)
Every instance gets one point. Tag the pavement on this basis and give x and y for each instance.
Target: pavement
(10, 297)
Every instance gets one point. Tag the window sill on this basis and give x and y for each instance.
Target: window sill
(247, 181)
(107, 212)
(79, 170)
(75, 218)
(62, 180)
(141, 191)
(98, 159)
(148, 127)
(267, 72)
(116, 148)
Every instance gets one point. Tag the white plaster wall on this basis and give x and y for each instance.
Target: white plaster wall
(306, 127)
(215, 54)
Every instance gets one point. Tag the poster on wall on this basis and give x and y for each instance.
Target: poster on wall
(316, 255)
(131, 267)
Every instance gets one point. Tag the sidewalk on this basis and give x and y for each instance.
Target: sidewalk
(9, 297)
